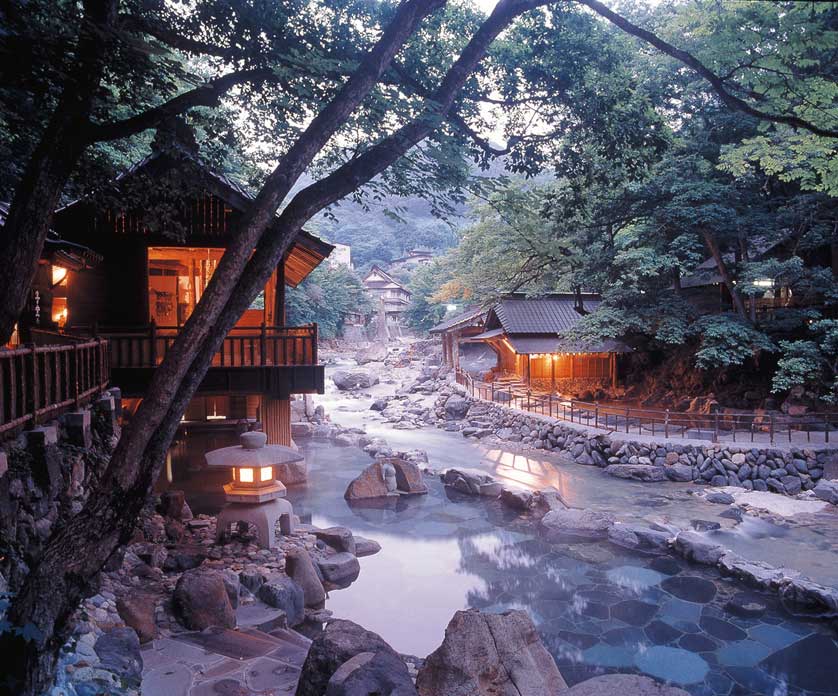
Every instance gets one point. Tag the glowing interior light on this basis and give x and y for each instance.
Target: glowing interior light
(246, 474)
(266, 473)
(59, 274)
(764, 283)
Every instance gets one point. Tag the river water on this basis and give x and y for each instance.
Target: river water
(598, 607)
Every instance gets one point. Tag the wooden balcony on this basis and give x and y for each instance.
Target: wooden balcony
(38, 383)
(275, 360)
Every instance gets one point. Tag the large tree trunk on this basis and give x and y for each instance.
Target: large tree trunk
(721, 266)
(36, 196)
(79, 548)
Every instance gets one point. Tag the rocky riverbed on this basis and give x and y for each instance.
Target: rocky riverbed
(680, 581)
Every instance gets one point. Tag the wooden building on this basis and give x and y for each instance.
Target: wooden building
(528, 337)
(389, 296)
(454, 329)
(161, 229)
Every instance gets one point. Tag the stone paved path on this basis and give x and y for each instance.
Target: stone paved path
(224, 662)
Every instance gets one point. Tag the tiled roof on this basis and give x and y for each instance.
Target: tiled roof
(552, 314)
(469, 316)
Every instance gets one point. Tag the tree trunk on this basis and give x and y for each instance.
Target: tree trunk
(36, 196)
(76, 552)
(721, 266)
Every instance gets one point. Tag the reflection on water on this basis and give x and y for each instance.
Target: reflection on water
(599, 608)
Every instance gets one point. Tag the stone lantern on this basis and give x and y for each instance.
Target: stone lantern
(254, 495)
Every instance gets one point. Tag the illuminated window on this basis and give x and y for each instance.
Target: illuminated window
(59, 276)
(266, 473)
(246, 475)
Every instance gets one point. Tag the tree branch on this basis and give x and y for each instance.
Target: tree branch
(715, 81)
(208, 94)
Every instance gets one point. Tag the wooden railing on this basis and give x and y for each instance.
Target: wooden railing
(737, 426)
(243, 347)
(39, 382)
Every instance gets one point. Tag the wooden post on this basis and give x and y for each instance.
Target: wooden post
(771, 428)
(35, 383)
(279, 302)
(263, 345)
(666, 425)
(612, 359)
(716, 426)
(552, 372)
(152, 330)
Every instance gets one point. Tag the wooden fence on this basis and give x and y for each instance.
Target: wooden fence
(243, 347)
(40, 382)
(737, 426)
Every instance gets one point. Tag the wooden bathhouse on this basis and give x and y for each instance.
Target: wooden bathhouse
(453, 329)
(528, 336)
(159, 232)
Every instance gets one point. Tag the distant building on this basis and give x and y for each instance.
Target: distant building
(391, 296)
(527, 337)
(341, 256)
(413, 258)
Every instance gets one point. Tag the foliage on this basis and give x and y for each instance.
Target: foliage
(424, 311)
(325, 298)
(811, 363)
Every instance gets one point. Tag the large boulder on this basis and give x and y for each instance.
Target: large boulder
(623, 685)
(490, 655)
(590, 524)
(200, 600)
(371, 674)
(408, 477)
(456, 407)
(369, 484)
(118, 649)
(357, 378)
(339, 642)
(637, 472)
(300, 569)
(137, 611)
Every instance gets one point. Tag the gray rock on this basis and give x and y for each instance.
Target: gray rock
(301, 570)
(200, 600)
(754, 573)
(827, 490)
(371, 674)
(516, 498)
(468, 481)
(679, 472)
(634, 536)
(637, 472)
(366, 547)
(802, 596)
(791, 484)
(118, 650)
(282, 592)
(339, 642)
(623, 685)
(339, 538)
(719, 497)
(456, 407)
(584, 523)
(340, 568)
(490, 655)
(378, 405)
(357, 378)
(697, 548)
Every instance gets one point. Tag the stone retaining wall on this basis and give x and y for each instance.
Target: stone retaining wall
(715, 464)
